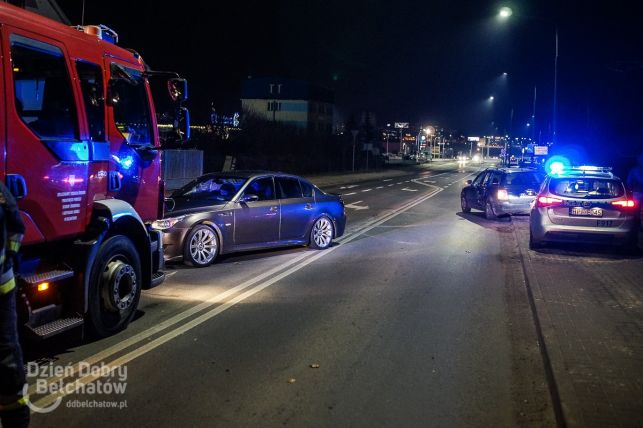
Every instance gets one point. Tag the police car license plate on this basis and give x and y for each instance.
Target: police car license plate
(586, 212)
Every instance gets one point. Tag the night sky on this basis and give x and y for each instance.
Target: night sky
(422, 61)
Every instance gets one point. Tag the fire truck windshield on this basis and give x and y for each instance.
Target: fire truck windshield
(131, 107)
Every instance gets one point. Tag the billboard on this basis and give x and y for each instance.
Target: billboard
(401, 125)
(541, 150)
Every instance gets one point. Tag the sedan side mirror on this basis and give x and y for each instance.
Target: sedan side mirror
(469, 182)
(249, 198)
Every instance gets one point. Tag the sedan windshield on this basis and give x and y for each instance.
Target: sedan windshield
(220, 188)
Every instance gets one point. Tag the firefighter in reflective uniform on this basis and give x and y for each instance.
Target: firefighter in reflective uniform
(13, 405)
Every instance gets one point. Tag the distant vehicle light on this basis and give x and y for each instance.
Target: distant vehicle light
(503, 195)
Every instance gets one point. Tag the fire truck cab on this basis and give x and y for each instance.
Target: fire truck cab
(79, 150)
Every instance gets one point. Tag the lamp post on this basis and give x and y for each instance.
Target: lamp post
(503, 14)
(429, 132)
(354, 132)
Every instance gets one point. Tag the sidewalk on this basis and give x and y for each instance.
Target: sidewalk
(589, 305)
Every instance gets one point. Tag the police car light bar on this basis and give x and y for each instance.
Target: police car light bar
(591, 168)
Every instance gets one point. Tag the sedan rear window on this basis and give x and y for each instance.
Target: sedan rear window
(587, 188)
(529, 179)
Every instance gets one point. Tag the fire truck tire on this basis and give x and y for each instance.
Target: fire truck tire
(115, 286)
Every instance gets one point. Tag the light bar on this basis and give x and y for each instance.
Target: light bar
(593, 168)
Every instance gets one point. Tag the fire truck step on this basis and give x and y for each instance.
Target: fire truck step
(157, 278)
(55, 327)
(50, 276)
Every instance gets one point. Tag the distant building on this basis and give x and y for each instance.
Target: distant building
(293, 102)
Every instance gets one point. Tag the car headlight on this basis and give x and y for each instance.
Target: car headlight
(166, 223)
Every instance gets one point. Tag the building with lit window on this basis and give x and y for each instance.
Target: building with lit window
(293, 102)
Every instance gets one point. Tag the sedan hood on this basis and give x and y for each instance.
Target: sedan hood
(178, 206)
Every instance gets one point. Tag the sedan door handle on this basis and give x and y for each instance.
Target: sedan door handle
(273, 209)
(308, 207)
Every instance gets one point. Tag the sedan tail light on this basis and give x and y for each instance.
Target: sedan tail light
(625, 203)
(503, 195)
(546, 201)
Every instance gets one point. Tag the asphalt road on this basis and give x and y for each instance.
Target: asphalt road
(418, 316)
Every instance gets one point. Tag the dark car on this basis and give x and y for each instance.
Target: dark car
(247, 210)
(502, 191)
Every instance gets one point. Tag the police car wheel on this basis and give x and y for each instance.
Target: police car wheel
(533, 244)
(114, 286)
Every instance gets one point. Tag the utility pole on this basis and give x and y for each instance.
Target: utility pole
(354, 132)
(554, 137)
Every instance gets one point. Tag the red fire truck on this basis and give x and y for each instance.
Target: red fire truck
(79, 149)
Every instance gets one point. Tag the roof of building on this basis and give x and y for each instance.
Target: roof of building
(285, 89)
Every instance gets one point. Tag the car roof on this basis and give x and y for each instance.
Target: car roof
(511, 170)
(248, 174)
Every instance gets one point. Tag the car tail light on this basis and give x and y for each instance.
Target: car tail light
(546, 201)
(625, 203)
(503, 195)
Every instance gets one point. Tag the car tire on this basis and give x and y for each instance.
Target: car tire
(115, 286)
(201, 246)
(488, 211)
(533, 244)
(322, 233)
(464, 204)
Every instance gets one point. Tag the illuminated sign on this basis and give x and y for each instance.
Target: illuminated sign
(473, 138)
(401, 125)
(541, 150)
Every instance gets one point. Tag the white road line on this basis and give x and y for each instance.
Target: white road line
(348, 194)
(390, 185)
(409, 190)
(74, 386)
(388, 179)
(399, 183)
(379, 187)
(218, 298)
(366, 190)
(350, 186)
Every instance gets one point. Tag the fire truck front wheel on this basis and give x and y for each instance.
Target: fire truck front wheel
(115, 286)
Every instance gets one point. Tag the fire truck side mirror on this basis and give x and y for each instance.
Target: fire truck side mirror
(178, 89)
(182, 124)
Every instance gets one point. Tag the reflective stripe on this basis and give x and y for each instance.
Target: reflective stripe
(5, 277)
(14, 246)
(6, 287)
(20, 402)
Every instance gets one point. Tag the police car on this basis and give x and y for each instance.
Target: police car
(584, 204)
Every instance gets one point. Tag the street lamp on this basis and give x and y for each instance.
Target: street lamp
(491, 98)
(505, 12)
